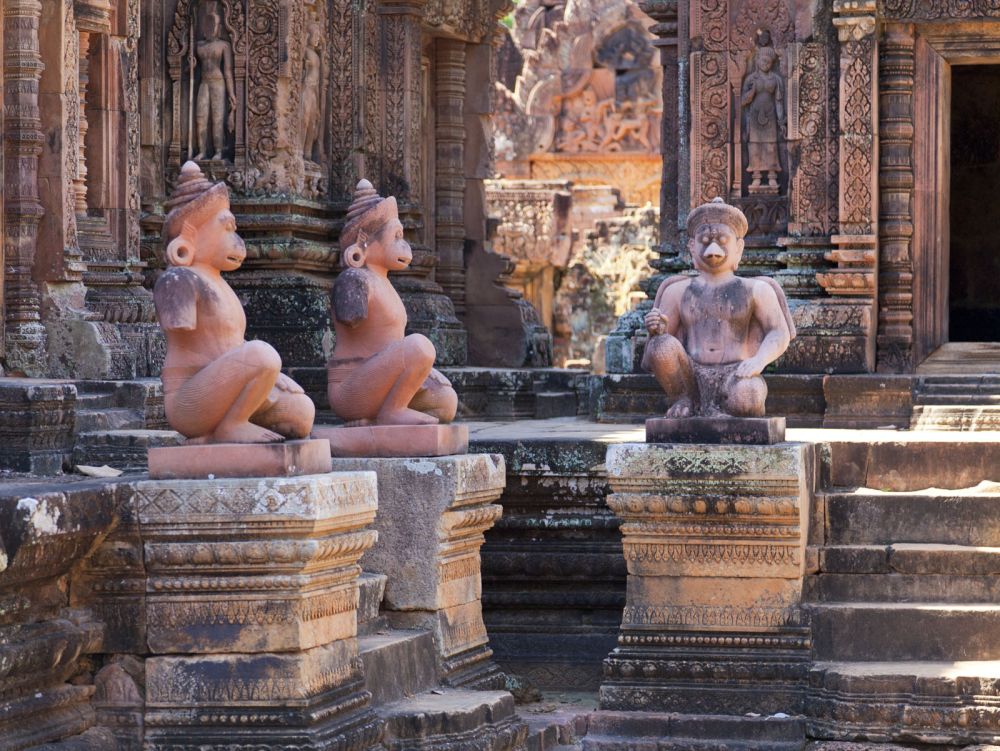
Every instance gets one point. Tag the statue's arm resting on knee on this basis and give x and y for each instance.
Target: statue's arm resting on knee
(350, 297)
(176, 299)
(770, 312)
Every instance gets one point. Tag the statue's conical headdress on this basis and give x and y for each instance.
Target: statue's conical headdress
(193, 200)
(369, 213)
(718, 211)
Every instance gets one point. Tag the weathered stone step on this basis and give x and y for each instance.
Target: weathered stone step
(121, 449)
(615, 731)
(398, 664)
(911, 588)
(451, 718)
(910, 558)
(908, 465)
(555, 404)
(110, 418)
(905, 631)
(371, 590)
(891, 518)
(552, 731)
(952, 703)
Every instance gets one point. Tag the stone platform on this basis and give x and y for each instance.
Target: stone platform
(739, 430)
(222, 460)
(394, 441)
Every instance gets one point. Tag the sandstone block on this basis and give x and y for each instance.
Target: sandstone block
(395, 440)
(432, 516)
(754, 430)
(202, 461)
(253, 565)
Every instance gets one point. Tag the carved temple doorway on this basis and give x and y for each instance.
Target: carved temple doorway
(974, 252)
(956, 196)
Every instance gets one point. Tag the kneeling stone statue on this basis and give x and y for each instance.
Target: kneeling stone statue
(711, 335)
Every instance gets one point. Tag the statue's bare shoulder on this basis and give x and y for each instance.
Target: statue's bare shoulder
(351, 292)
(176, 296)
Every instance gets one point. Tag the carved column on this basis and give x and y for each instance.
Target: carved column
(24, 334)
(449, 182)
(858, 197)
(895, 280)
(664, 12)
(80, 180)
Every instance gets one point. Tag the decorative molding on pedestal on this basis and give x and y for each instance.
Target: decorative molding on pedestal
(251, 611)
(714, 539)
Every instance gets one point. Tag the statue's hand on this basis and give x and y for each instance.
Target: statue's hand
(656, 322)
(284, 383)
(749, 368)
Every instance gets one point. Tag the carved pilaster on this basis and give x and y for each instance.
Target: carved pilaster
(24, 344)
(895, 272)
(449, 182)
(855, 257)
(80, 180)
(664, 12)
(394, 126)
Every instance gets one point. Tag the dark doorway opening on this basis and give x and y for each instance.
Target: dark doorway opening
(974, 264)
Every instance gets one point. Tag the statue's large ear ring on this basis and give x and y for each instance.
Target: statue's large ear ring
(354, 255)
(180, 252)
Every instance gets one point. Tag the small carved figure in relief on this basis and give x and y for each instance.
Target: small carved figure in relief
(215, 90)
(217, 387)
(630, 121)
(763, 101)
(582, 126)
(711, 335)
(313, 95)
(377, 374)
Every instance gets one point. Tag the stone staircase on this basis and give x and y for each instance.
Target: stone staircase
(117, 422)
(905, 609)
(956, 402)
(402, 674)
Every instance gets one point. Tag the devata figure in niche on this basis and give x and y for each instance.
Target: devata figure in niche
(215, 90)
(377, 374)
(312, 95)
(711, 335)
(763, 102)
(217, 387)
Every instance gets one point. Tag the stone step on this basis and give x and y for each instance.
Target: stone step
(862, 518)
(110, 418)
(552, 726)
(555, 404)
(121, 449)
(905, 631)
(953, 703)
(909, 465)
(958, 395)
(614, 731)
(398, 664)
(371, 589)
(450, 718)
(910, 588)
(910, 558)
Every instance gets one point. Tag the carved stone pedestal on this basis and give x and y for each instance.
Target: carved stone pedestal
(431, 520)
(251, 600)
(714, 540)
